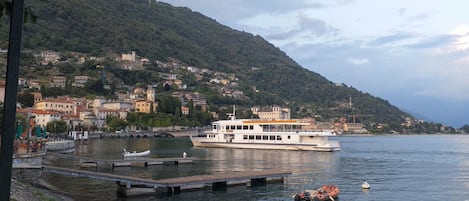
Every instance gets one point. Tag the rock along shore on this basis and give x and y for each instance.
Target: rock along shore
(26, 192)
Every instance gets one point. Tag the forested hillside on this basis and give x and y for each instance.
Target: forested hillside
(162, 32)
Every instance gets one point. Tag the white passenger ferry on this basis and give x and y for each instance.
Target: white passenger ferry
(266, 134)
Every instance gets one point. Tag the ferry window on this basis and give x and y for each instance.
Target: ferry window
(279, 137)
(245, 137)
(258, 137)
(238, 127)
(233, 127)
(227, 127)
(214, 127)
(265, 137)
(288, 137)
(272, 137)
(251, 127)
(245, 127)
(251, 137)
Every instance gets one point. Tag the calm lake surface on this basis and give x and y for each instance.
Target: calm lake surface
(415, 167)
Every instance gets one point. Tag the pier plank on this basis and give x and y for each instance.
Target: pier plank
(178, 182)
(231, 176)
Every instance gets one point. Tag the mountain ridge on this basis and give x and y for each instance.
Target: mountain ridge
(163, 32)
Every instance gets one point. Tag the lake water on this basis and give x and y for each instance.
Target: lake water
(415, 167)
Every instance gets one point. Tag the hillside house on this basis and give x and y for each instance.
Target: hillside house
(49, 57)
(59, 105)
(184, 110)
(272, 112)
(145, 106)
(151, 94)
(34, 83)
(42, 117)
(80, 81)
(118, 105)
(58, 81)
(37, 96)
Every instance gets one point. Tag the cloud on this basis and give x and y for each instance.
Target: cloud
(315, 26)
(402, 11)
(276, 6)
(389, 39)
(306, 27)
(412, 51)
(461, 34)
(359, 61)
(433, 42)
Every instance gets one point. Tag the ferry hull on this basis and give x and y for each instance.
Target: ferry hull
(329, 147)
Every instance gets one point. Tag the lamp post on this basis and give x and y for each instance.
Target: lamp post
(55, 130)
(28, 116)
(11, 90)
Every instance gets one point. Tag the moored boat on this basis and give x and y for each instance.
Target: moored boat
(287, 134)
(127, 154)
(325, 193)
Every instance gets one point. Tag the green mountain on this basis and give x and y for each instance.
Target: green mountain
(162, 32)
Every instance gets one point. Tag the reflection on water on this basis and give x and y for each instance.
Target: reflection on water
(397, 167)
(251, 159)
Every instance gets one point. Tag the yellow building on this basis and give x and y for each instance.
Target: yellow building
(59, 105)
(144, 106)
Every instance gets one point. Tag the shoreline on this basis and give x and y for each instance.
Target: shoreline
(43, 192)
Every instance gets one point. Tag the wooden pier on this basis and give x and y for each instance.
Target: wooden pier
(128, 185)
(138, 161)
(222, 181)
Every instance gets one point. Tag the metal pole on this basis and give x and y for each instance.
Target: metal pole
(28, 134)
(11, 87)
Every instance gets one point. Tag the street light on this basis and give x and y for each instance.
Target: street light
(55, 130)
(27, 129)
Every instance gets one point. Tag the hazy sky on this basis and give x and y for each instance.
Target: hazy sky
(413, 53)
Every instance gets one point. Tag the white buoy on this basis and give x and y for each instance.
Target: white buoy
(365, 185)
(184, 155)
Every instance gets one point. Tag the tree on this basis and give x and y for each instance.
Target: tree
(115, 123)
(57, 126)
(465, 128)
(26, 99)
(6, 8)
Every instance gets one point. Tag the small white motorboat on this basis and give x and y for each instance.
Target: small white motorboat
(365, 185)
(127, 154)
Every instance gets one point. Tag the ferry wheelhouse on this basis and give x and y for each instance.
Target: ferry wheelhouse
(266, 134)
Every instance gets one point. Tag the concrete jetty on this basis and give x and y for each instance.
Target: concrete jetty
(136, 162)
(128, 185)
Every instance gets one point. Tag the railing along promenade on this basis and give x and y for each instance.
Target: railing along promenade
(144, 134)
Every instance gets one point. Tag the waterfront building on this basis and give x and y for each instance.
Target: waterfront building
(144, 106)
(271, 112)
(59, 105)
(118, 105)
(42, 117)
